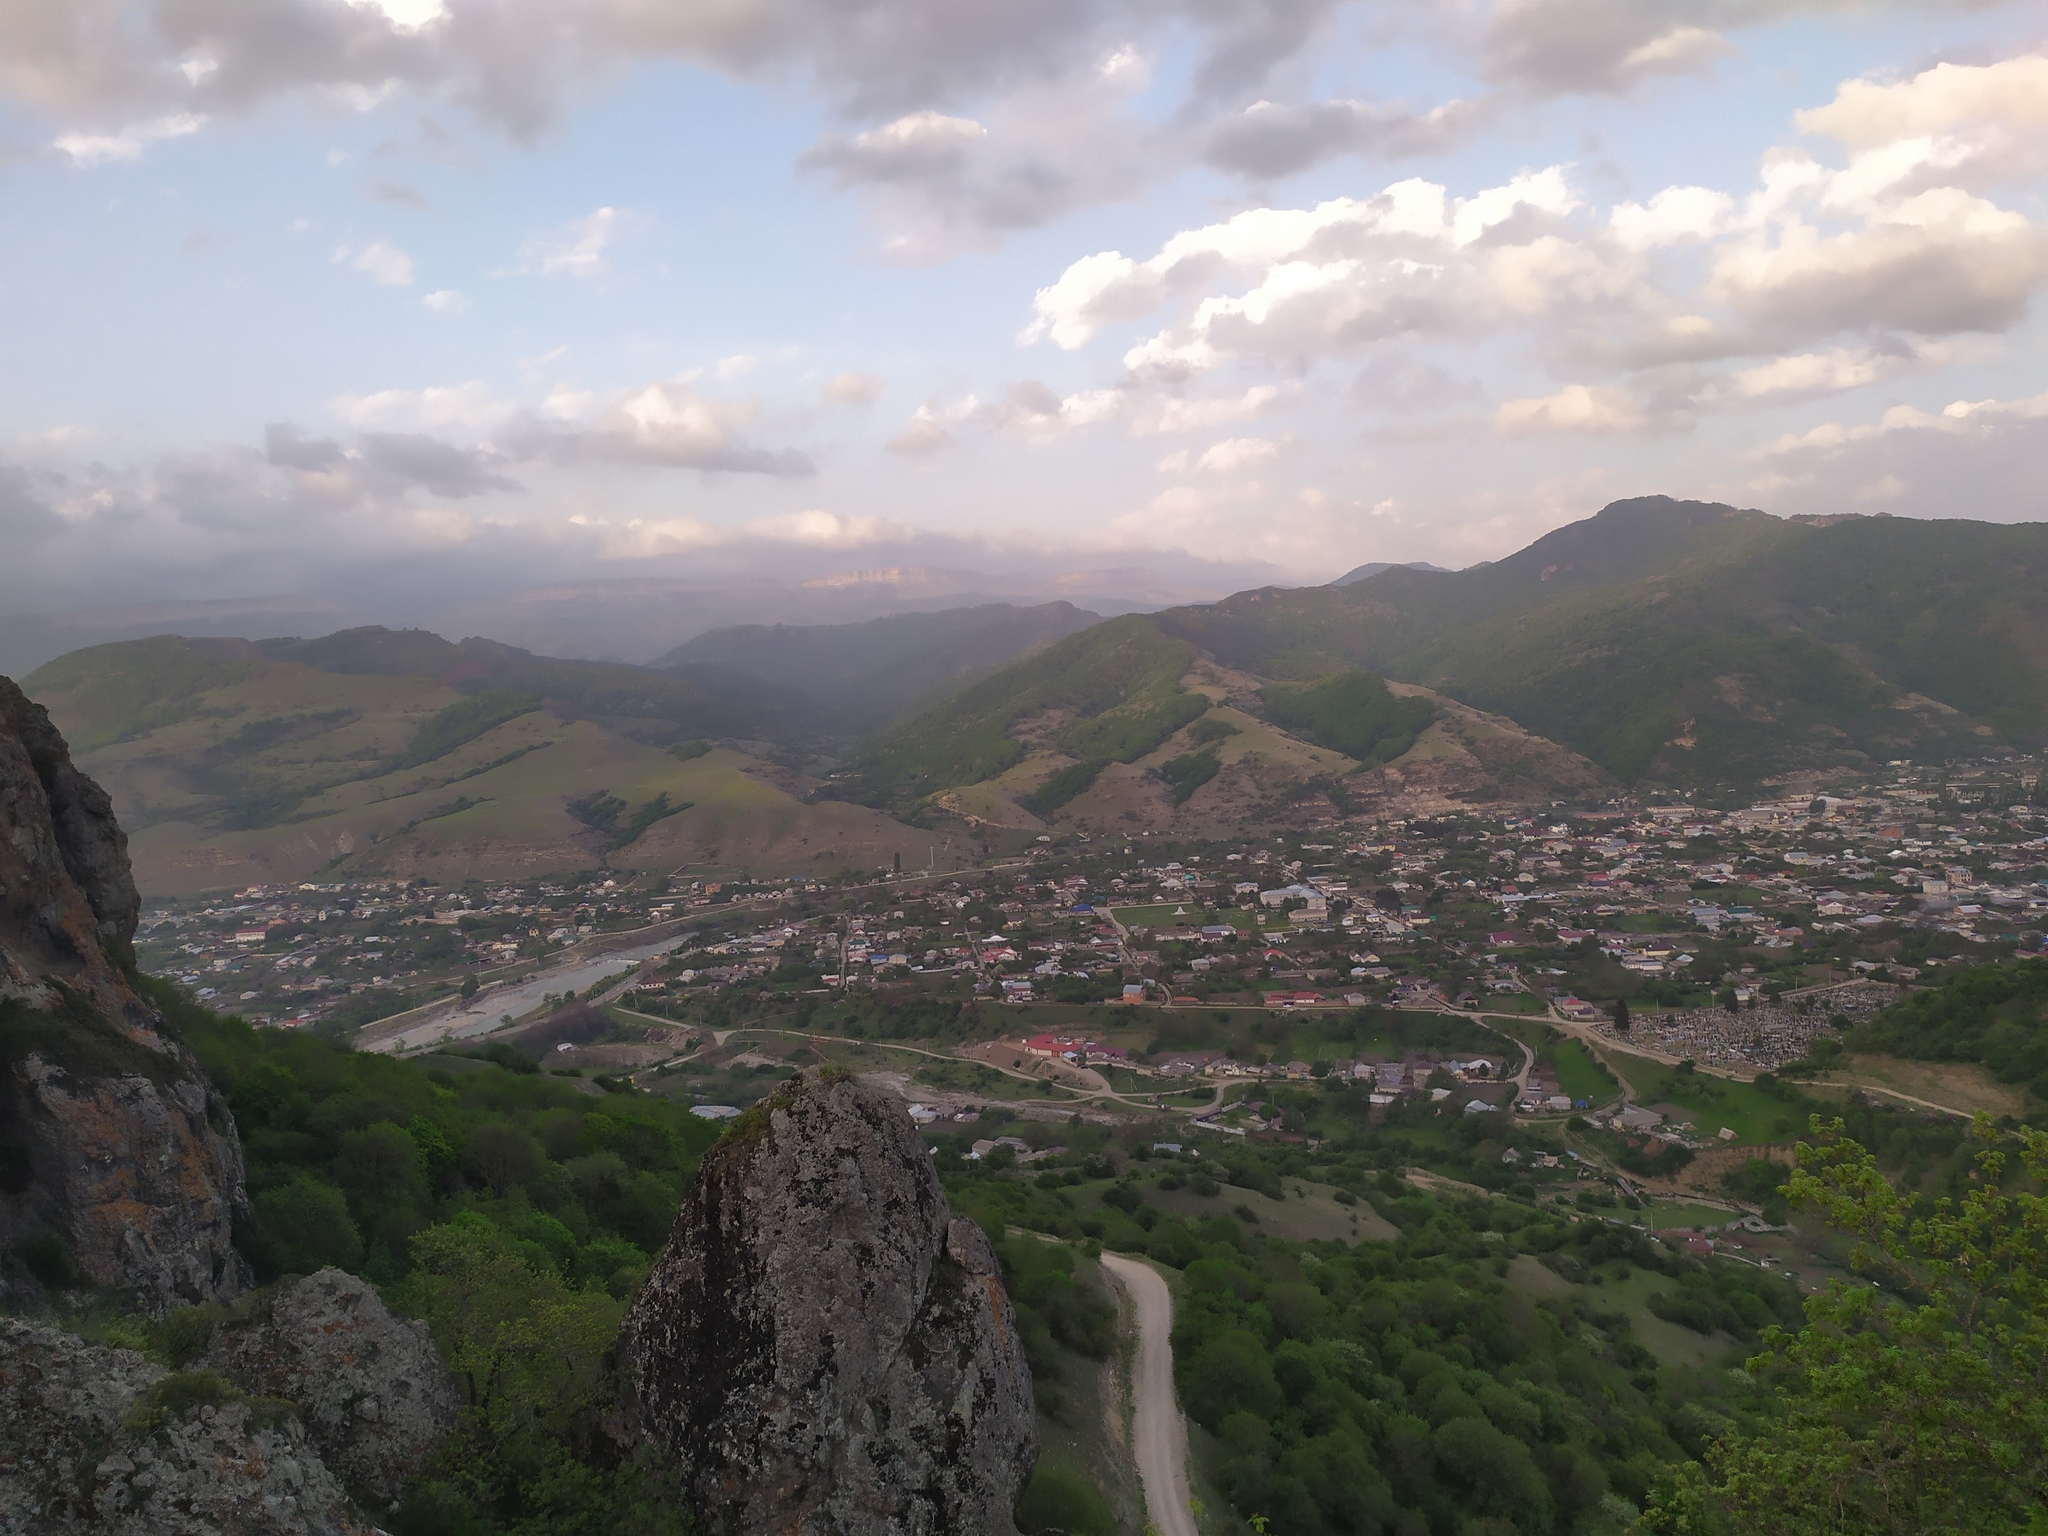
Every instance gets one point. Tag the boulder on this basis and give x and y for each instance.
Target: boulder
(100, 1440)
(822, 1347)
(370, 1389)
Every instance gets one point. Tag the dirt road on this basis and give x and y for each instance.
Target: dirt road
(1160, 1441)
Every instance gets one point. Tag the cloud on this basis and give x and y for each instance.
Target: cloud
(577, 249)
(1553, 47)
(1997, 109)
(1236, 454)
(1319, 258)
(853, 389)
(1676, 215)
(471, 406)
(1939, 262)
(89, 149)
(387, 463)
(927, 435)
(1595, 410)
(398, 194)
(445, 301)
(381, 262)
(1277, 139)
(661, 425)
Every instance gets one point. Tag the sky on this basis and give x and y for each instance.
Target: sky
(334, 297)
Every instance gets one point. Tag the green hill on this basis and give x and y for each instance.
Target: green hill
(400, 752)
(1110, 693)
(1698, 644)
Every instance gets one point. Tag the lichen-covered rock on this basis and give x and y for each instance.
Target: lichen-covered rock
(821, 1346)
(111, 1138)
(100, 1440)
(370, 1388)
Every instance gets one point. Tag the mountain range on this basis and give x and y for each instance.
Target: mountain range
(1658, 645)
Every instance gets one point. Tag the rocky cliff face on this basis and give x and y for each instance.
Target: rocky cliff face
(822, 1346)
(101, 1440)
(370, 1388)
(113, 1144)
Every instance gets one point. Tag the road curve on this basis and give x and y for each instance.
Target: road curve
(1162, 1441)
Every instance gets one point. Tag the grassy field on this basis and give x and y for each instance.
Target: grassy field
(1579, 1075)
(1161, 915)
(1663, 1215)
(1312, 1216)
(1710, 1103)
(1962, 1086)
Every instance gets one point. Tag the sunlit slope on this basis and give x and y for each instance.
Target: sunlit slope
(1695, 643)
(1123, 729)
(231, 763)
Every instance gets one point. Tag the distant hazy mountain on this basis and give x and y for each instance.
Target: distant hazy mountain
(856, 677)
(28, 640)
(1374, 567)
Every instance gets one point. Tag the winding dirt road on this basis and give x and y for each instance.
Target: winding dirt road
(1160, 1440)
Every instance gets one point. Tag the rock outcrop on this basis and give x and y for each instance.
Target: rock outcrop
(114, 1148)
(823, 1348)
(100, 1440)
(370, 1389)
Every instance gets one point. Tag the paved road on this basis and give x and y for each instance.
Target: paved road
(1162, 1440)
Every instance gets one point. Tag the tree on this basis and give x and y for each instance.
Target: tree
(1621, 1018)
(1918, 1404)
(469, 985)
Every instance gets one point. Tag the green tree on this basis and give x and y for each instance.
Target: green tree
(1918, 1405)
(304, 1225)
(530, 1358)
(1621, 1018)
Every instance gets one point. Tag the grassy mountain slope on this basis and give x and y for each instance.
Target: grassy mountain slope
(231, 762)
(1695, 643)
(1112, 692)
(1122, 728)
(860, 677)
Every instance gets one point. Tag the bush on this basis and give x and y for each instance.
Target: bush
(1058, 1500)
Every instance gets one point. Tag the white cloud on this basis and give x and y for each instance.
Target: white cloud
(383, 262)
(87, 149)
(446, 301)
(853, 389)
(1236, 454)
(410, 15)
(1596, 410)
(469, 407)
(2006, 100)
(929, 431)
(1303, 252)
(665, 424)
(1675, 215)
(578, 249)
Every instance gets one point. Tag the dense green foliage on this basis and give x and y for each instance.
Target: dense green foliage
(1993, 1014)
(1350, 712)
(1913, 1407)
(1189, 772)
(1063, 785)
(464, 721)
(351, 1155)
(1408, 1387)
